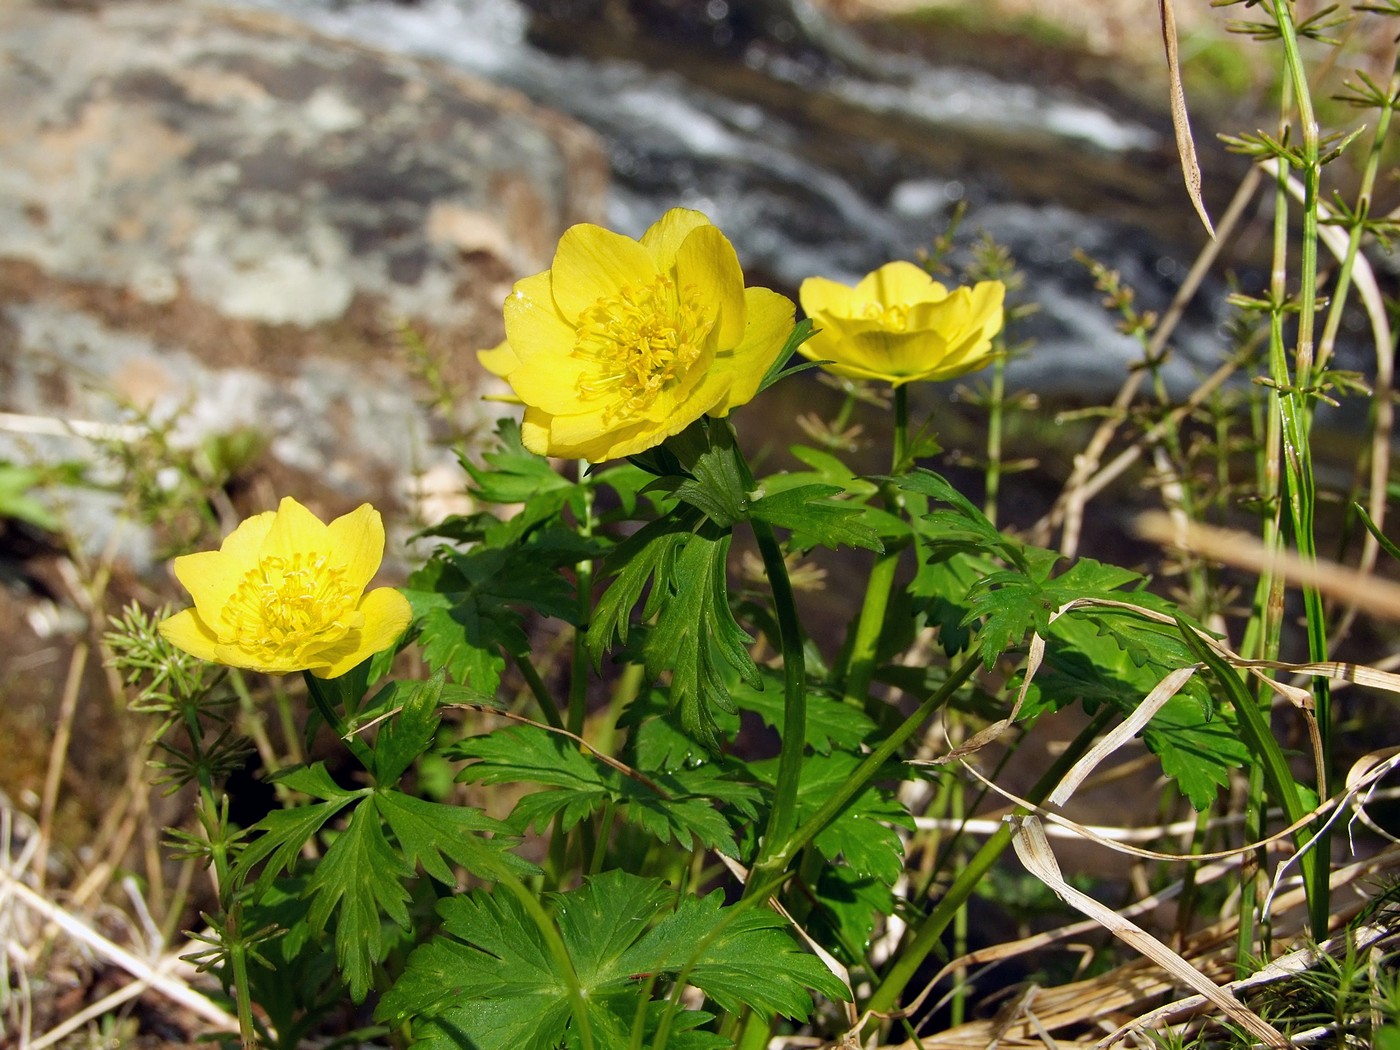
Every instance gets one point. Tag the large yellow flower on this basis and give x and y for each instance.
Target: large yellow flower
(285, 593)
(622, 343)
(898, 324)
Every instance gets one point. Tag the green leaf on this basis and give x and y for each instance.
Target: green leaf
(827, 469)
(863, 834)
(817, 520)
(514, 474)
(487, 984)
(696, 636)
(432, 833)
(940, 588)
(847, 904)
(1084, 662)
(409, 733)
(281, 836)
(359, 880)
(830, 720)
(648, 553)
(737, 958)
(1014, 602)
(717, 482)
(1197, 753)
(673, 807)
(801, 332)
(463, 602)
(961, 526)
(490, 982)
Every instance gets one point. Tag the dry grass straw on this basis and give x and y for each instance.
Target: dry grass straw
(1198, 973)
(40, 934)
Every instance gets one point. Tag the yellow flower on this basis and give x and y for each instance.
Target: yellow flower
(622, 343)
(285, 593)
(899, 325)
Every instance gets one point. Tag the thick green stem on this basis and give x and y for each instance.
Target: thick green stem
(865, 644)
(912, 954)
(783, 817)
(860, 661)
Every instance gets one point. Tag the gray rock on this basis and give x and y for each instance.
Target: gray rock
(225, 216)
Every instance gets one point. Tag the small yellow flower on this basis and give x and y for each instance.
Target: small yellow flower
(622, 343)
(899, 325)
(285, 593)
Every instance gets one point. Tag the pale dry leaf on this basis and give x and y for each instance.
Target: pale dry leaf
(1185, 144)
(1033, 849)
(1121, 734)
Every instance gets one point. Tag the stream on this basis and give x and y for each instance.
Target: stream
(819, 154)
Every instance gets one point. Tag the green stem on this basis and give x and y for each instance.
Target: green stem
(783, 817)
(554, 943)
(583, 574)
(540, 691)
(777, 859)
(912, 954)
(901, 428)
(865, 644)
(996, 410)
(1297, 419)
(320, 696)
(860, 661)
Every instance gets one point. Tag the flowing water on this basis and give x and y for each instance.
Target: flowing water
(833, 157)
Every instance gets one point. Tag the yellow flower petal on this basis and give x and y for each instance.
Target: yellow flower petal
(386, 617)
(706, 261)
(185, 630)
(211, 577)
(500, 360)
(666, 235)
(770, 321)
(823, 295)
(635, 340)
(533, 323)
(592, 263)
(897, 282)
(295, 531)
(358, 541)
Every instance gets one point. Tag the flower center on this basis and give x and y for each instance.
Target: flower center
(287, 601)
(640, 341)
(892, 318)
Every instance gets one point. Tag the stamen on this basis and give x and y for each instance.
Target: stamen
(288, 601)
(640, 341)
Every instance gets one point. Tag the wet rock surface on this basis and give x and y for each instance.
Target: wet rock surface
(227, 217)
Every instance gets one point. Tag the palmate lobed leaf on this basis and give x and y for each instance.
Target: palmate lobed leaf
(360, 879)
(816, 519)
(696, 636)
(490, 982)
(679, 809)
(863, 832)
(464, 603)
